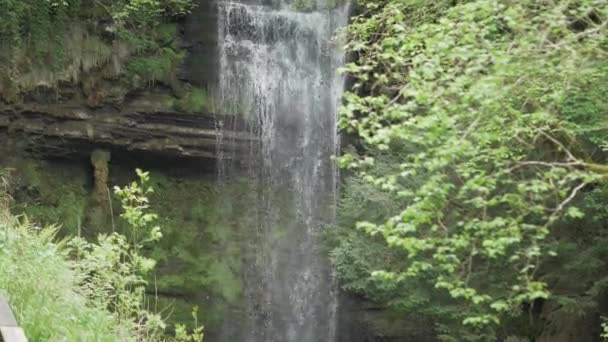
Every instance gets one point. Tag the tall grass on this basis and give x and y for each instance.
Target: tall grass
(75, 290)
(38, 280)
(43, 290)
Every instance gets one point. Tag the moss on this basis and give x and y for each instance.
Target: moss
(153, 102)
(46, 44)
(100, 157)
(200, 244)
(81, 53)
(207, 231)
(99, 213)
(221, 275)
(206, 238)
(65, 57)
(195, 100)
(598, 168)
(305, 5)
(159, 67)
(48, 195)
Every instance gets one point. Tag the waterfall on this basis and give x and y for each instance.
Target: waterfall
(278, 70)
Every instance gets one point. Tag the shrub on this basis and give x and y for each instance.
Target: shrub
(43, 288)
(77, 290)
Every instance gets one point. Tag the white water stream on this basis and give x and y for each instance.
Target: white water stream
(278, 69)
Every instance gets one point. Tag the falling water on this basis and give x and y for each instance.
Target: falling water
(278, 69)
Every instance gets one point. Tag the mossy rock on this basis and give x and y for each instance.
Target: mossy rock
(195, 100)
(157, 67)
(100, 157)
(50, 194)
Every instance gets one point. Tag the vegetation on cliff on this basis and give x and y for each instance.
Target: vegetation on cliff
(206, 235)
(78, 290)
(90, 51)
(479, 174)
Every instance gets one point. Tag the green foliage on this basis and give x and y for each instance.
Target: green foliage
(78, 290)
(182, 334)
(48, 41)
(581, 248)
(23, 20)
(134, 202)
(204, 240)
(158, 67)
(194, 101)
(4, 196)
(37, 20)
(47, 198)
(472, 98)
(44, 290)
(31, 25)
(356, 256)
(200, 254)
(586, 105)
(114, 268)
(314, 5)
(144, 14)
(165, 34)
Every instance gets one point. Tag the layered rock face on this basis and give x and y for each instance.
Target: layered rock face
(110, 95)
(62, 131)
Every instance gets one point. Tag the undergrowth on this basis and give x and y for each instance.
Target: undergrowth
(76, 290)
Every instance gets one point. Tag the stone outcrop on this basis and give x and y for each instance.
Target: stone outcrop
(100, 160)
(64, 131)
(100, 211)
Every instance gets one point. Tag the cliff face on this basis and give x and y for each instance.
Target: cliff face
(67, 131)
(106, 92)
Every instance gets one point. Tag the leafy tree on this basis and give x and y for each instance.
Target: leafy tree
(470, 95)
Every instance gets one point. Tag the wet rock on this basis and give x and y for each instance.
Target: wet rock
(100, 160)
(63, 131)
